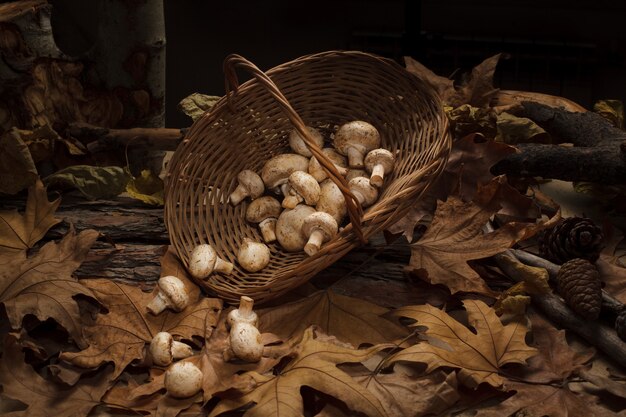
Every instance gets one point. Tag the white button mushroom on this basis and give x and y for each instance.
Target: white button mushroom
(379, 162)
(253, 256)
(355, 139)
(250, 184)
(332, 201)
(353, 173)
(203, 261)
(289, 228)
(171, 294)
(243, 314)
(302, 187)
(164, 349)
(183, 380)
(316, 170)
(276, 171)
(363, 191)
(319, 227)
(245, 338)
(265, 211)
(297, 143)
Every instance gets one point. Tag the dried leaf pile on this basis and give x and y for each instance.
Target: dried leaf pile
(79, 347)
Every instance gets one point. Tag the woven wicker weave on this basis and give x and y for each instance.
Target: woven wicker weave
(251, 124)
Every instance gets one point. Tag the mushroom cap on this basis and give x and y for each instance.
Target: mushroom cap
(362, 186)
(183, 379)
(305, 185)
(161, 349)
(263, 208)
(175, 291)
(202, 261)
(321, 221)
(380, 157)
(276, 171)
(332, 201)
(245, 342)
(289, 227)
(297, 143)
(354, 173)
(315, 168)
(252, 182)
(357, 134)
(253, 256)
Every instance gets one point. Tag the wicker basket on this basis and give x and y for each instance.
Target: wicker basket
(250, 125)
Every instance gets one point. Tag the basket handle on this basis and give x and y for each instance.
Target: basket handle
(234, 61)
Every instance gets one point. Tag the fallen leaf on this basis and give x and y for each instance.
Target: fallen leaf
(93, 182)
(514, 129)
(17, 168)
(478, 89)
(613, 276)
(604, 382)
(147, 188)
(196, 104)
(478, 356)
(444, 86)
(349, 319)
(19, 232)
(43, 286)
(44, 398)
(314, 365)
(612, 110)
(466, 120)
(120, 335)
(512, 304)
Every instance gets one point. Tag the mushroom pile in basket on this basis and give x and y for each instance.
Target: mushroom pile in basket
(305, 208)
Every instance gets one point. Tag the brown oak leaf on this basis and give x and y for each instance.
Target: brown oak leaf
(44, 398)
(314, 365)
(43, 286)
(19, 232)
(479, 356)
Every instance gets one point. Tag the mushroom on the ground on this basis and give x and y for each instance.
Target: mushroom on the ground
(203, 261)
(332, 201)
(379, 162)
(265, 211)
(319, 227)
(277, 170)
(363, 191)
(253, 256)
(297, 143)
(316, 170)
(355, 139)
(289, 227)
(183, 380)
(171, 294)
(245, 338)
(164, 349)
(302, 187)
(250, 184)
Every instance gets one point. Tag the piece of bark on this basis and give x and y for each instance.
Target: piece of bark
(512, 99)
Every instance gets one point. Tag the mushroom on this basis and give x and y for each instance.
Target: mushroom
(243, 314)
(164, 349)
(332, 201)
(363, 191)
(264, 211)
(299, 146)
(319, 227)
(171, 294)
(316, 170)
(204, 260)
(302, 187)
(355, 139)
(183, 380)
(250, 184)
(276, 171)
(379, 162)
(253, 256)
(353, 173)
(245, 338)
(289, 228)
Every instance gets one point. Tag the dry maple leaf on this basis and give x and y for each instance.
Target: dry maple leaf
(45, 398)
(314, 365)
(19, 232)
(43, 286)
(480, 355)
(120, 335)
(349, 319)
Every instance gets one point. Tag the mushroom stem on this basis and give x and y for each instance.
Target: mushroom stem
(181, 350)
(245, 306)
(158, 304)
(223, 266)
(268, 229)
(355, 158)
(378, 174)
(315, 242)
(238, 195)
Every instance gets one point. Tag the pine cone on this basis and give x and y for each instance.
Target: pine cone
(578, 283)
(574, 237)
(620, 325)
